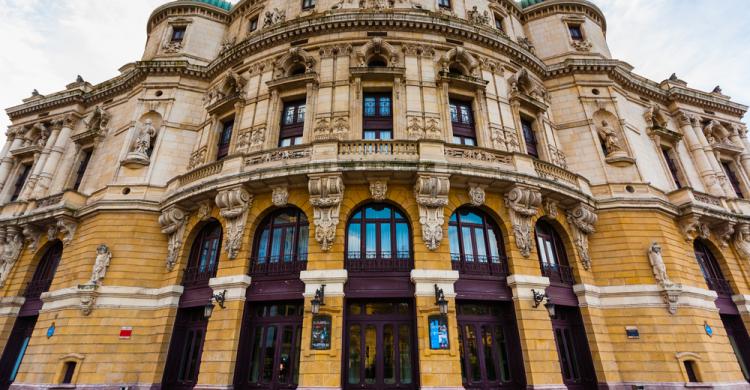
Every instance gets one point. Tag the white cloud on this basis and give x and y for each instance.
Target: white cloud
(46, 43)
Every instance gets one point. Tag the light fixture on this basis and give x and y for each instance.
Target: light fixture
(440, 300)
(319, 299)
(550, 308)
(542, 296)
(208, 310)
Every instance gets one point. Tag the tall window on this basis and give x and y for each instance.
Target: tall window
(711, 269)
(15, 349)
(23, 173)
(462, 121)
(225, 138)
(178, 33)
(733, 180)
(292, 123)
(281, 243)
(499, 23)
(185, 349)
(527, 126)
(552, 257)
(308, 4)
(378, 238)
(576, 33)
(253, 25)
(204, 255)
(82, 165)
(475, 243)
(377, 113)
(45, 272)
(444, 4)
(672, 165)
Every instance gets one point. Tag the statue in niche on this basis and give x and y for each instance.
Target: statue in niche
(140, 153)
(103, 257)
(657, 265)
(609, 137)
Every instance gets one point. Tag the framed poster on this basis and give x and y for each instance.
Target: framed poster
(321, 332)
(438, 332)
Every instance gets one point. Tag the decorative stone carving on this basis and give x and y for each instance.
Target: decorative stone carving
(172, 47)
(655, 118)
(527, 44)
(293, 59)
(742, 241)
(418, 50)
(378, 189)
(227, 44)
(335, 50)
(273, 17)
(376, 47)
(326, 193)
(430, 130)
(103, 257)
(716, 133)
(582, 46)
(231, 87)
(12, 245)
(280, 196)
(233, 205)
(67, 226)
(463, 58)
(140, 151)
(724, 232)
(97, 124)
(87, 294)
(521, 83)
(477, 195)
(550, 208)
(609, 138)
(204, 210)
(582, 220)
(431, 193)
(670, 291)
(172, 221)
(692, 227)
(477, 18)
(31, 235)
(522, 203)
(505, 139)
(325, 130)
(197, 158)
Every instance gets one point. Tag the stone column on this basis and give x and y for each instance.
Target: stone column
(741, 140)
(699, 155)
(39, 162)
(61, 134)
(13, 142)
(713, 158)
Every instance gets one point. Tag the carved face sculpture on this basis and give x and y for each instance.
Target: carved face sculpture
(656, 248)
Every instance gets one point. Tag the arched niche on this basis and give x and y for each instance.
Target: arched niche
(459, 61)
(377, 53)
(295, 62)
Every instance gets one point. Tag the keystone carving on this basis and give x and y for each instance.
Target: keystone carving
(692, 227)
(233, 205)
(11, 241)
(378, 189)
(477, 195)
(431, 192)
(670, 291)
(326, 193)
(103, 257)
(523, 204)
(172, 221)
(87, 293)
(280, 196)
(550, 208)
(582, 220)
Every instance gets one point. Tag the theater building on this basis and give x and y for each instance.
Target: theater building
(378, 195)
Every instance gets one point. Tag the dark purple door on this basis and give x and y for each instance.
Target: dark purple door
(15, 349)
(572, 349)
(185, 349)
(379, 346)
(739, 340)
(489, 346)
(269, 346)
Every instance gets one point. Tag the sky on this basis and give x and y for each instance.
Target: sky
(45, 44)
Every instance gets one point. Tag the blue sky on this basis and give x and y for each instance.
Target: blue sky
(46, 43)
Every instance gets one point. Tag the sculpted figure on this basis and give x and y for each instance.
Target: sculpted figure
(610, 138)
(103, 256)
(657, 265)
(742, 241)
(143, 141)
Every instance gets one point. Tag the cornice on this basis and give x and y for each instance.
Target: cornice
(184, 8)
(558, 7)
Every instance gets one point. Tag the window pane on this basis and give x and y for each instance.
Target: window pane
(255, 355)
(489, 361)
(378, 212)
(371, 354)
(302, 243)
(389, 361)
(469, 217)
(263, 246)
(481, 247)
(453, 237)
(276, 245)
(385, 134)
(542, 252)
(402, 240)
(465, 115)
(285, 142)
(285, 360)
(494, 249)
(19, 359)
(370, 106)
(454, 112)
(470, 141)
(385, 106)
(370, 240)
(288, 244)
(301, 113)
(404, 349)
(551, 253)
(468, 248)
(501, 353)
(370, 135)
(355, 358)
(354, 238)
(289, 116)
(385, 241)
(268, 355)
(471, 342)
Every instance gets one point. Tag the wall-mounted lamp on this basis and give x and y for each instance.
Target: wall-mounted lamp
(542, 296)
(220, 298)
(319, 299)
(440, 300)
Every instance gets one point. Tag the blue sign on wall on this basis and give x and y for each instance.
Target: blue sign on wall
(51, 330)
(709, 329)
(438, 332)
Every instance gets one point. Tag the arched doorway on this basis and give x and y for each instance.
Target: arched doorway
(379, 329)
(189, 334)
(23, 328)
(489, 345)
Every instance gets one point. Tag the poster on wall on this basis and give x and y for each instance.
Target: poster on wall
(321, 332)
(438, 332)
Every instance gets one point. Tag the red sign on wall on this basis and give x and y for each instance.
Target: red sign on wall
(126, 332)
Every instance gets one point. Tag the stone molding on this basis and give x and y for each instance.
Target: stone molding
(743, 303)
(581, 220)
(173, 220)
(523, 284)
(334, 279)
(642, 295)
(326, 193)
(425, 280)
(235, 285)
(11, 306)
(115, 297)
(431, 192)
(233, 204)
(523, 204)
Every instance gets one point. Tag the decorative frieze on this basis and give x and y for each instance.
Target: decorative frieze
(582, 46)
(234, 204)
(172, 221)
(431, 192)
(582, 220)
(251, 139)
(505, 139)
(326, 193)
(197, 158)
(423, 128)
(172, 47)
(331, 129)
(523, 204)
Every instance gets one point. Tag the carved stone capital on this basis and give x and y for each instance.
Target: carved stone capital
(67, 226)
(87, 293)
(692, 227)
(280, 196)
(523, 204)
(233, 205)
(671, 296)
(477, 195)
(431, 193)
(582, 220)
(326, 193)
(172, 221)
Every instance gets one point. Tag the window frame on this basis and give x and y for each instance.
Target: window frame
(224, 142)
(297, 261)
(378, 124)
(711, 269)
(499, 22)
(729, 169)
(529, 136)
(292, 131)
(460, 261)
(83, 163)
(195, 272)
(178, 34)
(673, 166)
(463, 133)
(580, 36)
(445, 4)
(44, 274)
(22, 175)
(559, 271)
(308, 5)
(361, 261)
(252, 24)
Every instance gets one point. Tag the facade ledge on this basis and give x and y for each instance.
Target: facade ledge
(377, 72)
(425, 280)
(114, 297)
(235, 286)
(645, 295)
(333, 279)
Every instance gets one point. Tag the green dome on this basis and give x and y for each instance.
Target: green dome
(528, 3)
(223, 4)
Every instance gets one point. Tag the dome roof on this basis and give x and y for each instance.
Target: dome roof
(223, 4)
(528, 3)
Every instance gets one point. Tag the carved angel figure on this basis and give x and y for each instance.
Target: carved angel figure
(657, 265)
(142, 144)
(103, 257)
(610, 138)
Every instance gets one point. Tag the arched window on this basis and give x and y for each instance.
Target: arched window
(204, 255)
(281, 243)
(710, 268)
(377, 61)
(45, 272)
(378, 239)
(476, 243)
(552, 257)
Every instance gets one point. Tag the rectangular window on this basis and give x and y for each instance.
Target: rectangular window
(672, 165)
(82, 165)
(444, 4)
(462, 121)
(225, 138)
(377, 113)
(253, 25)
(70, 369)
(23, 173)
(308, 4)
(292, 123)
(499, 23)
(732, 178)
(527, 126)
(178, 33)
(690, 370)
(576, 33)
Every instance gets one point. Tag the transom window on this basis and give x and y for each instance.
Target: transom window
(462, 121)
(178, 33)
(377, 115)
(292, 123)
(711, 269)
(204, 255)
(552, 257)
(378, 238)
(474, 243)
(281, 244)
(225, 139)
(529, 136)
(576, 33)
